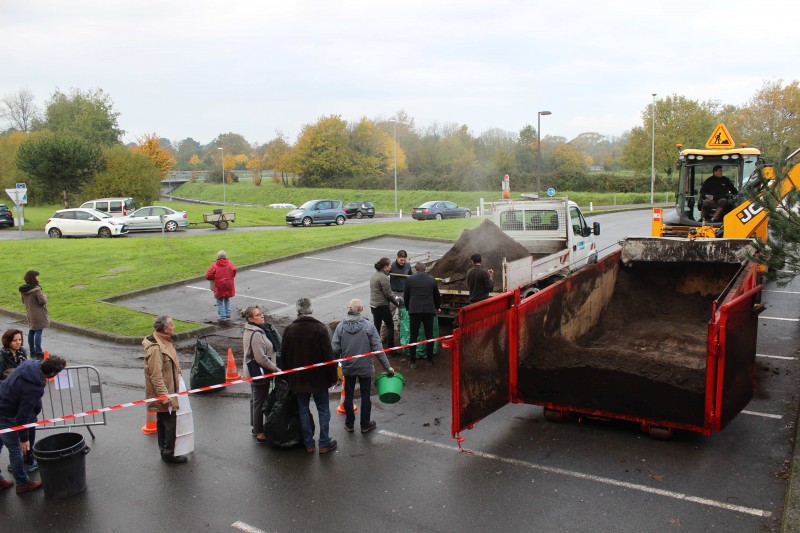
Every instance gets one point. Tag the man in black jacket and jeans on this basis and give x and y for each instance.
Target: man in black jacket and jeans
(422, 302)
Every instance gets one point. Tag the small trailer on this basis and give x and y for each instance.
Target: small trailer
(219, 218)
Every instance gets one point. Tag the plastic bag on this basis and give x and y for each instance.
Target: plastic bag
(281, 419)
(208, 367)
(405, 334)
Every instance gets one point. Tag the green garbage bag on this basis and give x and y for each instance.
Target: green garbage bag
(208, 367)
(405, 334)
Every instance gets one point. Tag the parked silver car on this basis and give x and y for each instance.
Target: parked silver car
(150, 218)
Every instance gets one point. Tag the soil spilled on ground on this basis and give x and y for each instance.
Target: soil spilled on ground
(487, 240)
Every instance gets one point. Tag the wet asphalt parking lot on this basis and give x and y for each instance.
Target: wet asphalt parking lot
(525, 474)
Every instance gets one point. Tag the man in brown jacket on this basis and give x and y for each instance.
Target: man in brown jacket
(161, 376)
(307, 341)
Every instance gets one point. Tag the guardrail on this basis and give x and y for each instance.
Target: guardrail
(77, 389)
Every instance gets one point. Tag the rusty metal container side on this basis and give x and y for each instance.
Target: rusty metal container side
(481, 351)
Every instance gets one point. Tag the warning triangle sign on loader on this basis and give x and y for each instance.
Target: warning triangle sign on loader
(720, 138)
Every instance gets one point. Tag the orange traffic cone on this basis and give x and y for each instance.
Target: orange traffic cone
(231, 373)
(340, 409)
(149, 426)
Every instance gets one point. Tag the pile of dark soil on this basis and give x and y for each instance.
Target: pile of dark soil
(646, 356)
(487, 240)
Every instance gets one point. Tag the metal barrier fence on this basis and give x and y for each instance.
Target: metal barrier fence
(76, 389)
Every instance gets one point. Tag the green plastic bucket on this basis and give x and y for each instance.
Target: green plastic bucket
(390, 388)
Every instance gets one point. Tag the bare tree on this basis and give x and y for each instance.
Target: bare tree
(20, 109)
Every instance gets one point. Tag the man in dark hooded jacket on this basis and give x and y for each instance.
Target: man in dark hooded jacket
(356, 335)
(20, 402)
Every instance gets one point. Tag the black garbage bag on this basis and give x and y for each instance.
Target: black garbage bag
(281, 419)
(208, 367)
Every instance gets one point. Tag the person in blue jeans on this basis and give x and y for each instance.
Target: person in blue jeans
(35, 302)
(222, 273)
(20, 398)
(355, 335)
(306, 341)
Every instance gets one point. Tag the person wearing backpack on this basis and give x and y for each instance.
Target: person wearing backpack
(356, 335)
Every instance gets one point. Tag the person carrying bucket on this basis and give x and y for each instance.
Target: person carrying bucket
(355, 335)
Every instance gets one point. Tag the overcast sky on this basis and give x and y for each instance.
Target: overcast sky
(201, 68)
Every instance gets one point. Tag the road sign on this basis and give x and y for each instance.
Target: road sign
(720, 138)
(21, 186)
(18, 196)
(551, 192)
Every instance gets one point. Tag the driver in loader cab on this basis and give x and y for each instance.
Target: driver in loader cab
(714, 195)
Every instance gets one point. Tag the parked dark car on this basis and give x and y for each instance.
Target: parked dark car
(438, 210)
(6, 216)
(359, 209)
(317, 212)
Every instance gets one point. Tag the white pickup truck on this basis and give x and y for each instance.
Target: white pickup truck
(555, 233)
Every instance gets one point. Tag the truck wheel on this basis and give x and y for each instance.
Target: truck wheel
(555, 415)
(660, 433)
(222, 224)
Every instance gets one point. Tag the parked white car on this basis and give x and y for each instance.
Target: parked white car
(283, 206)
(80, 222)
(149, 218)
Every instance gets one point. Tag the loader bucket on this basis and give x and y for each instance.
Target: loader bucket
(676, 250)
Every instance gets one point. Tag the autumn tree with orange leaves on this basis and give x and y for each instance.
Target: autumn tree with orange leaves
(161, 158)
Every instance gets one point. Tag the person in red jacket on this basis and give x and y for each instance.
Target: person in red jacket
(221, 274)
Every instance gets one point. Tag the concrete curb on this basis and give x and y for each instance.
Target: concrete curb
(791, 504)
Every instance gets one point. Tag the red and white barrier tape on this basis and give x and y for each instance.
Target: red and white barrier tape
(211, 387)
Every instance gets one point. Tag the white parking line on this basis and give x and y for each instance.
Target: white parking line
(336, 261)
(784, 292)
(247, 528)
(765, 415)
(337, 292)
(784, 357)
(778, 318)
(240, 295)
(579, 475)
(300, 277)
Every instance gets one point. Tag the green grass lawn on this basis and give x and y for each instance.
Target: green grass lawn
(76, 273)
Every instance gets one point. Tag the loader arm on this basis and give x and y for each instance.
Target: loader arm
(749, 220)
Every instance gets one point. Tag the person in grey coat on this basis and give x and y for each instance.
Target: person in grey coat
(381, 299)
(356, 335)
(35, 302)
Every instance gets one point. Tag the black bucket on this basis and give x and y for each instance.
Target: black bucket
(62, 464)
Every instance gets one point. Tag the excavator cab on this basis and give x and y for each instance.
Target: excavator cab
(694, 168)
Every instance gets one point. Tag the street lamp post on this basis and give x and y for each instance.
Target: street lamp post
(539, 151)
(653, 151)
(224, 181)
(394, 126)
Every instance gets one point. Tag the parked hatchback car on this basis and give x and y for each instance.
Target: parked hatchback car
(6, 216)
(317, 212)
(80, 222)
(116, 207)
(359, 209)
(283, 206)
(437, 210)
(149, 218)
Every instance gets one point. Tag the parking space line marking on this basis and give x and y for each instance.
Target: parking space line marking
(765, 415)
(247, 528)
(300, 277)
(375, 249)
(778, 318)
(336, 261)
(262, 299)
(240, 295)
(784, 357)
(580, 475)
(784, 292)
(337, 292)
